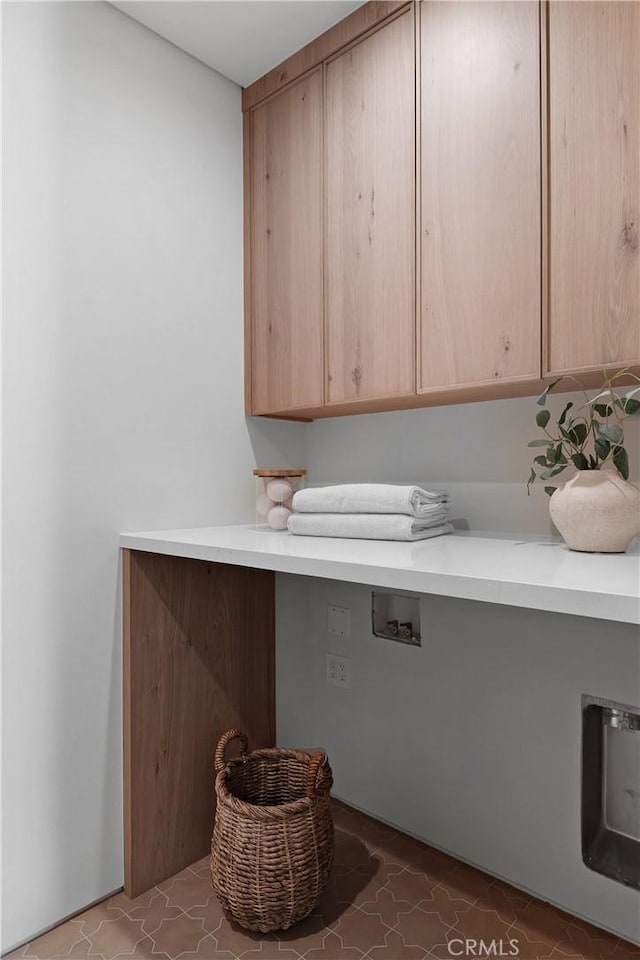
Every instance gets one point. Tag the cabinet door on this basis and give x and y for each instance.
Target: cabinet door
(370, 209)
(594, 185)
(480, 316)
(285, 164)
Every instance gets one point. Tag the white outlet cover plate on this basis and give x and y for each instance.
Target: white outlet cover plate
(339, 621)
(338, 671)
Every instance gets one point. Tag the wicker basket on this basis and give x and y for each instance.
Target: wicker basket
(272, 845)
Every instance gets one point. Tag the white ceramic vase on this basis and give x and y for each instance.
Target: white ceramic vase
(596, 511)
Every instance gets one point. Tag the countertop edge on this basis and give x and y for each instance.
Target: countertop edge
(585, 602)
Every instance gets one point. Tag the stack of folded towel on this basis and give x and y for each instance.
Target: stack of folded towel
(370, 511)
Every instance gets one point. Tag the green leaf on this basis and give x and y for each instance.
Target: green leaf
(628, 405)
(602, 448)
(532, 477)
(621, 461)
(542, 418)
(553, 472)
(563, 415)
(603, 409)
(549, 490)
(610, 431)
(542, 399)
(556, 455)
(578, 434)
(580, 461)
(593, 463)
(540, 443)
(542, 460)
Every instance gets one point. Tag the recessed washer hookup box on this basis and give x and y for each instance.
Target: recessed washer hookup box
(611, 789)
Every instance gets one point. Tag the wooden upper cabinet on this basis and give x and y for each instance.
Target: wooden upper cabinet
(594, 185)
(285, 249)
(480, 309)
(370, 216)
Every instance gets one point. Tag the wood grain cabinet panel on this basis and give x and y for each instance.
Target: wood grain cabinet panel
(480, 316)
(285, 262)
(594, 185)
(370, 216)
(198, 659)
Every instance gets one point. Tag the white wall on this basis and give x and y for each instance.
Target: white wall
(122, 400)
(478, 451)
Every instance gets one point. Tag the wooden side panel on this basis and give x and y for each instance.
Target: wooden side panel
(323, 47)
(198, 658)
(481, 195)
(370, 229)
(286, 249)
(246, 249)
(594, 185)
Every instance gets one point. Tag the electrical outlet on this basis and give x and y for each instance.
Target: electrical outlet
(338, 671)
(339, 621)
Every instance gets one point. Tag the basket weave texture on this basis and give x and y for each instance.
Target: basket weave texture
(272, 846)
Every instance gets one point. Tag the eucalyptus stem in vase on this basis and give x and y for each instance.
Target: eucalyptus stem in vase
(597, 510)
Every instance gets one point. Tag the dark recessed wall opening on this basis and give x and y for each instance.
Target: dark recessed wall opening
(611, 789)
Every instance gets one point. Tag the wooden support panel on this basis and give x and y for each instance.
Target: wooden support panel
(199, 654)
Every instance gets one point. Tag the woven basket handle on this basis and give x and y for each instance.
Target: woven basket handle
(223, 743)
(316, 761)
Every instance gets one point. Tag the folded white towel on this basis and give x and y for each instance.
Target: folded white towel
(365, 526)
(371, 498)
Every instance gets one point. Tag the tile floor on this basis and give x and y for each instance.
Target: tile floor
(390, 898)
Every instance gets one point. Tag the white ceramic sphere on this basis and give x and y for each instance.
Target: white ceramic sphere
(277, 518)
(263, 505)
(279, 490)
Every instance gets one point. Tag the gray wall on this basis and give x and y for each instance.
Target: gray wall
(478, 451)
(471, 742)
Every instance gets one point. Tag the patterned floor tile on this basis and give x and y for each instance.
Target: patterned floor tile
(350, 889)
(115, 937)
(626, 951)
(419, 929)
(482, 925)
(379, 870)
(396, 949)
(540, 924)
(469, 884)
(583, 940)
(389, 898)
(507, 902)
(179, 935)
(436, 866)
(57, 943)
(361, 930)
(189, 891)
(111, 909)
(211, 915)
(386, 906)
(202, 868)
(233, 939)
(411, 887)
(153, 915)
(448, 908)
(270, 950)
(144, 950)
(207, 950)
(310, 934)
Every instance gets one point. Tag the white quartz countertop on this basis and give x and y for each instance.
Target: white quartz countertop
(540, 574)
